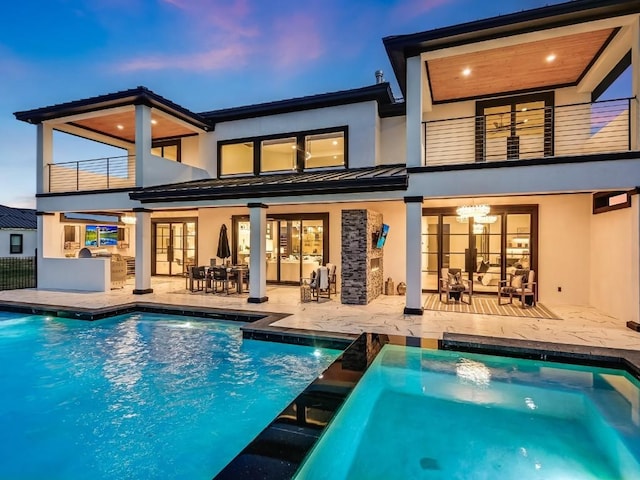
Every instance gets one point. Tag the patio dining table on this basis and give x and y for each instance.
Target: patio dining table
(238, 270)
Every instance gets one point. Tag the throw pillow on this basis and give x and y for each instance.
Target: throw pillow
(454, 278)
(516, 281)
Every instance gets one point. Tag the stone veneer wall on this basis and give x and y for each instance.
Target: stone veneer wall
(360, 282)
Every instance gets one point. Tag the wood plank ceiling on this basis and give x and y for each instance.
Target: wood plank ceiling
(122, 126)
(515, 68)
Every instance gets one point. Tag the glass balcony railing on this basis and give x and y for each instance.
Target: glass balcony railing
(579, 129)
(95, 174)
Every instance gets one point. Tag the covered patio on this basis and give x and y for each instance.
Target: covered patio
(576, 325)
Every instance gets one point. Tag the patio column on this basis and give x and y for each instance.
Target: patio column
(413, 208)
(44, 156)
(634, 114)
(143, 140)
(143, 251)
(415, 147)
(258, 258)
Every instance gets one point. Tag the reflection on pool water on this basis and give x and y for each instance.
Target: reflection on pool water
(138, 396)
(425, 414)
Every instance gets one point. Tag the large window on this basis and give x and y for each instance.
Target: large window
(278, 155)
(15, 243)
(299, 151)
(169, 149)
(236, 158)
(324, 150)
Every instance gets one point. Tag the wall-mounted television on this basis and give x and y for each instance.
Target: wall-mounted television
(382, 238)
(101, 235)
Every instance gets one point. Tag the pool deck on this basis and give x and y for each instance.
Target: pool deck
(577, 325)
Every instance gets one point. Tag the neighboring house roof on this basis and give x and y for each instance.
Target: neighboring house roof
(380, 92)
(401, 47)
(133, 96)
(379, 178)
(18, 218)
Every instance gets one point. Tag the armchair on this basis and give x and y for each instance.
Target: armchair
(453, 286)
(521, 283)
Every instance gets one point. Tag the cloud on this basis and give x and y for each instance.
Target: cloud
(225, 58)
(297, 39)
(413, 8)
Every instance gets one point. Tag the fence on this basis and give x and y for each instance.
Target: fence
(17, 272)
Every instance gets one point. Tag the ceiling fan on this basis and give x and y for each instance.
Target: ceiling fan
(501, 127)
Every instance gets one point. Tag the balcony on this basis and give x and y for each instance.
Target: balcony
(568, 130)
(95, 174)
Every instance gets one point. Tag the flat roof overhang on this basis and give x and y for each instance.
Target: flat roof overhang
(118, 115)
(401, 47)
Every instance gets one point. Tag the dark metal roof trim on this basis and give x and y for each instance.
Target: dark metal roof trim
(380, 178)
(133, 96)
(380, 92)
(401, 47)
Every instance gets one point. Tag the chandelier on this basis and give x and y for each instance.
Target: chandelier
(128, 219)
(486, 219)
(475, 211)
(478, 229)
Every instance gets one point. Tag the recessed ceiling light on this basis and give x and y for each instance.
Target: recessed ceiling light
(335, 142)
(524, 109)
(551, 57)
(293, 147)
(120, 127)
(466, 72)
(154, 121)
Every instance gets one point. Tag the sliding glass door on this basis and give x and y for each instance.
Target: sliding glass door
(484, 250)
(174, 247)
(296, 245)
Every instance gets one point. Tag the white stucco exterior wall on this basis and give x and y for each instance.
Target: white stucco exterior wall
(29, 242)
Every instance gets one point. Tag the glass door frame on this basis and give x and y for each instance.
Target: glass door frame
(502, 211)
(548, 98)
(170, 221)
(277, 219)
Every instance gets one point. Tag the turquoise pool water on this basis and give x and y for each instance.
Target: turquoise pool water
(138, 396)
(424, 414)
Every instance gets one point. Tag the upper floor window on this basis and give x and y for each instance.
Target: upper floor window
(324, 150)
(169, 149)
(299, 151)
(280, 154)
(235, 158)
(15, 243)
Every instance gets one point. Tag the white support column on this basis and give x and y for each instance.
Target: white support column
(143, 140)
(44, 220)
(143, 252)
(413, 208)
(258, 262)
(415, 146)
(44, 156)
(634, 114)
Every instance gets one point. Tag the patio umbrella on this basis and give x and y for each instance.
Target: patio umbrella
(223, 244)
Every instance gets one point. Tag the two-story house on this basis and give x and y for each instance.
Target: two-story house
(506, 151)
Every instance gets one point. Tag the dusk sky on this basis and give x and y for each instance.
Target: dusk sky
(201, 54)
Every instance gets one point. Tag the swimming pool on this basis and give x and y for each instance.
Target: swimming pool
(138, 395)
(429, 414)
